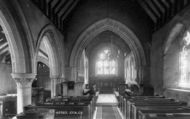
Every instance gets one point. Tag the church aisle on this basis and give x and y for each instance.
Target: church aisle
(107, 112)
(106, 99)
(107, 107)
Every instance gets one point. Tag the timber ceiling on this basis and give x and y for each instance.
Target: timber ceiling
(159, 11)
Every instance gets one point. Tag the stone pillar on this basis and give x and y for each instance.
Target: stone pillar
(24, 89)
(65, 89)
(53, 87)
(71, 73)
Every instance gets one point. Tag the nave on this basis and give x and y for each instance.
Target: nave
(88, 59)
(103, 106)
(107, 107)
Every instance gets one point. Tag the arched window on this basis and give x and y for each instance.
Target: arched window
(185, 62)
(106, 64)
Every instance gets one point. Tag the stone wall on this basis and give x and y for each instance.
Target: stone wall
(165, 64)
(87, 12)
(7, 84)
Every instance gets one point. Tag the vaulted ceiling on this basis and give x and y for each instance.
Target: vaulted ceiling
(159, 11)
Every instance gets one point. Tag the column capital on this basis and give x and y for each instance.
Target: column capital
(23, 79)
(24, 82)
(23, 75)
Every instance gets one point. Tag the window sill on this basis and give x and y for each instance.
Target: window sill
(179, 89)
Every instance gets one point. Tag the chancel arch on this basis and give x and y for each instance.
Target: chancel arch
(118, 28)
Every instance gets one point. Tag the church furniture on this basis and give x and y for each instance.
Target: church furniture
(164, 114)
(8, 105)
(155, 108)
(68, 107)
(132, 110)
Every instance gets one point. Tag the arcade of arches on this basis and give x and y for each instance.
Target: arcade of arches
(93, 43)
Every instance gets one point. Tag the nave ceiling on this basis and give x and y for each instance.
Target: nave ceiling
(159, 11)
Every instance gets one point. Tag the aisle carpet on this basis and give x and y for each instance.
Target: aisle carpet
(107, 107)
(107, 112)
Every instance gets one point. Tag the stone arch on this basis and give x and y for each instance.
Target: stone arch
(176, 30)
(47, 35)
(172, 52)
(120, 29)
(42, 59)
(16, 45)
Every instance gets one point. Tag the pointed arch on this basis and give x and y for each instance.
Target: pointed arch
(17, 47)
(54, 50)
(118, 28)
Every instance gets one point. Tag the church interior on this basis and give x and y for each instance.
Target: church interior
(94, 59)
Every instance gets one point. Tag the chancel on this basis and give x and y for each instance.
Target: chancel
(94, 59)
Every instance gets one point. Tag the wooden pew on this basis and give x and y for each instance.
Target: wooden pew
(143, 107)
(153, 107)
(164, 114)
(68, 107)
(123, 101)
(36, 114)
(162, 102)
(66, 111)
(170, 117)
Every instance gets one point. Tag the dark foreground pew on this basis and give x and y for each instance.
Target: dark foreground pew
(132, 104)
(8, 106)
(152, 107)
(66, 111)
(167, 116)
(61, 108)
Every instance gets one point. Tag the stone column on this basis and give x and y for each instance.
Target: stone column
(24, 89)
(71, 73)
(53, 87)
(64, 89)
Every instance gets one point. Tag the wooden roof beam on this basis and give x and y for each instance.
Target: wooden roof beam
(160, 6)
(60, 5)
(2, 56)
(57, 10)
(49, 8)
(161, 12)
(153, 7)
(53, 3)
(149, 13)
(3, 41)
(69, 10)
(166, 14)
(4, 49)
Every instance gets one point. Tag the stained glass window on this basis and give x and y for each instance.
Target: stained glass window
(106, 64)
